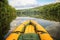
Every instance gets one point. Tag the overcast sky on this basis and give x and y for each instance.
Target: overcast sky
(24, 4)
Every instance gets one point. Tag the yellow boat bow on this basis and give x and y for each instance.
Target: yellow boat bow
(29, 30)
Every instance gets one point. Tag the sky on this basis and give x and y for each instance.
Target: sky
(26, 4)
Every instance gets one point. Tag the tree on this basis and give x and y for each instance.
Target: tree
(7, 14)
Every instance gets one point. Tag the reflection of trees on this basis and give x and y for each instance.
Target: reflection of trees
(54, 31)
(50, 12)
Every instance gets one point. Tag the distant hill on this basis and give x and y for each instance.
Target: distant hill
(49, 12)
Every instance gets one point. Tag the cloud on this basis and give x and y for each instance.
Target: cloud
(23, 3)
(57, 0)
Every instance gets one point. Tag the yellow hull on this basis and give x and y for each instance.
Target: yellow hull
(29, 26)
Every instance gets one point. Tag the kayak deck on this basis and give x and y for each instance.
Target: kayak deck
(29, 36)
(29, 27)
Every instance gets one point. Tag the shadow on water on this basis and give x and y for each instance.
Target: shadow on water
(51, 26)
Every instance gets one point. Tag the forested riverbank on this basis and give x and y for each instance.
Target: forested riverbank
(49, 12)
(7, 14)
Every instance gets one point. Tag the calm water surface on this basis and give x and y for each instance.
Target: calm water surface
(48, 25)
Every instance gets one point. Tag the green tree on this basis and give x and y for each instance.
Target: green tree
(7, 14)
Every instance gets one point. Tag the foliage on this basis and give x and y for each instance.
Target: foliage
(4, 1)
(50, 12)
(7, 14)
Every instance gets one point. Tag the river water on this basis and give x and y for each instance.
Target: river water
(44, 23)
(50, 26)
(20, 20)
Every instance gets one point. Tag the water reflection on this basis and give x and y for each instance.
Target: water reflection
(51, 26)
(20, 20)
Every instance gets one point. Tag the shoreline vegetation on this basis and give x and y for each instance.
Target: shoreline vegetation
(48, 12)
(7, 14)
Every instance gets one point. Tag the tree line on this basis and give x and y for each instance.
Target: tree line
(7, 14)
(49, 12)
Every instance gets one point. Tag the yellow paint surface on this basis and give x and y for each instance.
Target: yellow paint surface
(29, 29)
(13, 36)
(44, 36)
